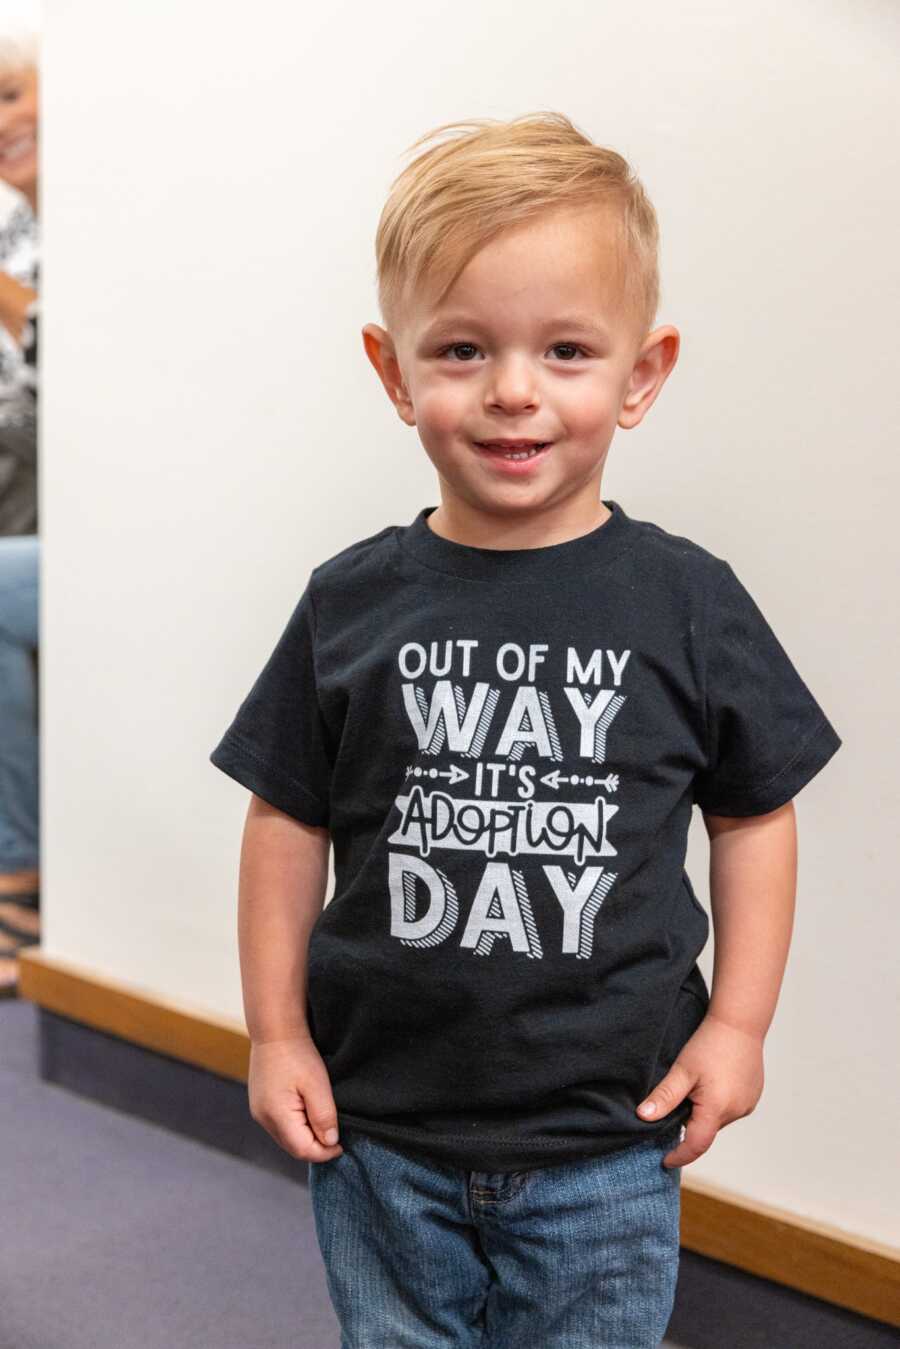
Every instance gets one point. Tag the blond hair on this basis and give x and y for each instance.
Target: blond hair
(458, 195)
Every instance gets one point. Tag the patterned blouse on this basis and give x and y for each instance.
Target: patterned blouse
(19, 258)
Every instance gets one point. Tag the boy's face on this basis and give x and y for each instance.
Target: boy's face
(502, 357)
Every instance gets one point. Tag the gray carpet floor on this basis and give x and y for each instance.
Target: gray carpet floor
(120, 1234)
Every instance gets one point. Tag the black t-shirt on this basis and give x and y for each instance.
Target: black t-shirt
(506, 746)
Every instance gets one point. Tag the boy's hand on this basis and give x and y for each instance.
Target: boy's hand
(290, 1096)
(721, 1069)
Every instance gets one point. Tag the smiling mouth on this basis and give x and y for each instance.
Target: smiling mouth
(513, 449)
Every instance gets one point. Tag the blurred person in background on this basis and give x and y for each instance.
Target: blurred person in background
(19, 542)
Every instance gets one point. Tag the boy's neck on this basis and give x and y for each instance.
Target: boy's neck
(459, 523)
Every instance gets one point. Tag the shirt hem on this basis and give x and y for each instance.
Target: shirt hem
(496, 1153)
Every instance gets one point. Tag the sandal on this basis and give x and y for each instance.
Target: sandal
(9, 983)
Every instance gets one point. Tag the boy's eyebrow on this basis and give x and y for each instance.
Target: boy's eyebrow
(583, 322)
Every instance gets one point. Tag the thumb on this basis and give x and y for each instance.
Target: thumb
(668, 1093)
(321, 1111)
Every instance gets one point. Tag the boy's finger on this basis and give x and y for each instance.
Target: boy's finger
(295, 1136)
(698, 1137)
(321, 1114)
(668, 1093)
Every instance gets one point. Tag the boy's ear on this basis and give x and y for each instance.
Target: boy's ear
(381, 351)
(653, 365)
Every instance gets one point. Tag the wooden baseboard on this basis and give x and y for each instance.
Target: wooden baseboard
(815, 1258)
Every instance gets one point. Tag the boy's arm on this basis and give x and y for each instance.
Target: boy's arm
(281, 891)
(752, 884)
(753, 872)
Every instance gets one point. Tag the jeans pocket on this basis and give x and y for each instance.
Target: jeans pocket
(669, 1137)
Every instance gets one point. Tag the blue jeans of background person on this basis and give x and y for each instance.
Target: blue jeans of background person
(19, 826)
(577, 1255)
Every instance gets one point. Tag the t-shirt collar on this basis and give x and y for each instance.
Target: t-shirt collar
(573, 557)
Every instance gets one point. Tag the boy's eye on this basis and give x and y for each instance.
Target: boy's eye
(470, 346)
(457, 346)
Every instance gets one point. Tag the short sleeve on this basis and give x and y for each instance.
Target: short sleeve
(277, 744)
(766, 734)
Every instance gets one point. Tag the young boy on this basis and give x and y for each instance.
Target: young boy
(501, 716)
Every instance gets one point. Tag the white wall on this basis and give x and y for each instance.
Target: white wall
(211, 429)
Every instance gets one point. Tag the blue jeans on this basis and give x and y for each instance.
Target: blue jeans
(578, 1255)
(19, 828)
